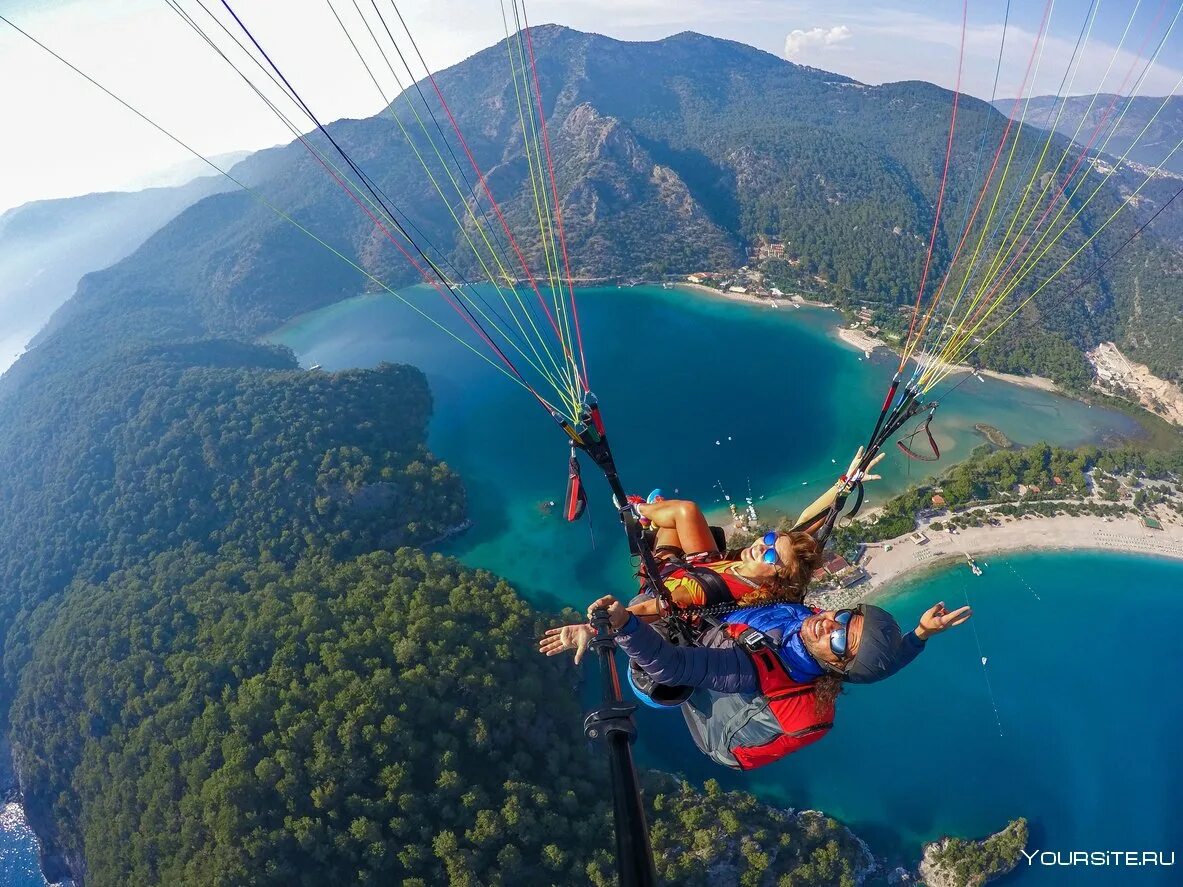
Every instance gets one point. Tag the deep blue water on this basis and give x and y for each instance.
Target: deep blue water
(1087, 714)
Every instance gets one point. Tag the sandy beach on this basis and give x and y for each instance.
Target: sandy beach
(1041, 382)
(908, 557)
(867, 343)
(862, 341)
(782, 301)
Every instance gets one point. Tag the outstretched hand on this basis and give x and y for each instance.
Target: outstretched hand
(854, 464)
(578, 637)
(567, 637)
(936, 619)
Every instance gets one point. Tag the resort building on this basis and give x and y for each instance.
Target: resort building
(836, 563)
(855, 576)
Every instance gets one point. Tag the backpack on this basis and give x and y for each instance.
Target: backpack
(748, 730)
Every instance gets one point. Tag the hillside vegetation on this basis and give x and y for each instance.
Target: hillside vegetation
(671, 156)
(222, 666)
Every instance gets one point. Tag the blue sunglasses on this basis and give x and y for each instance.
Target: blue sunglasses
(840, 637)
(770, 556)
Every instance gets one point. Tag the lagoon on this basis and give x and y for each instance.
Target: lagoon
(701, 396)
(1067, 723)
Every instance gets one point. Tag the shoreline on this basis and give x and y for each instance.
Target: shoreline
(868, 344)
(763, 301)
(907, 559)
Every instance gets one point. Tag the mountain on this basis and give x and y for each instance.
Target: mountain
(47, 246)
(1076, 117)
(672, 156)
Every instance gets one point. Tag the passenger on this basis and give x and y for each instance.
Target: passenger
(775, 567)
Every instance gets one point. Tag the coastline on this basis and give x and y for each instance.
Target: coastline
(860, 340)
(886, 570)
(763, 301)
(868, 344)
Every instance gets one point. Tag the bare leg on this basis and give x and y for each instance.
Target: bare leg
(681, 523)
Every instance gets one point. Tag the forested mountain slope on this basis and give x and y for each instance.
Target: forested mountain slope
(383, 720)
(671, 156)
(46, 246)
(204, 445)
(1143, 126)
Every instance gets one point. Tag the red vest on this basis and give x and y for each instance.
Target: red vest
(745, 731)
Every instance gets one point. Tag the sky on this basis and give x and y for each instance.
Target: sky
(62, 137)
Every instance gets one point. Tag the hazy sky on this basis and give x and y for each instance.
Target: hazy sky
(62, 137)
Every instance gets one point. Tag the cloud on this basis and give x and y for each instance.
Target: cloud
(799, 40)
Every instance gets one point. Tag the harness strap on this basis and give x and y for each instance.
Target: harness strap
(932, 443)
(715, 589)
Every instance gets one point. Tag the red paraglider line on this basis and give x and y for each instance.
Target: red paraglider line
(1002, 278)
(936, 222)
(993, 166)
(480, 176)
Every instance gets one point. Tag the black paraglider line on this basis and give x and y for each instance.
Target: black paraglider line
(435, 120)
(407, 220)
(459, 292)
(500, 254)
(365, 180)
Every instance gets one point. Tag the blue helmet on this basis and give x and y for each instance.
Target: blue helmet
(658, 696)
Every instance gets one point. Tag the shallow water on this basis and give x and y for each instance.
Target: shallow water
(701, 397)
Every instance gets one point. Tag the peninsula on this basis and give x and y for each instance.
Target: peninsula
(1039, 498)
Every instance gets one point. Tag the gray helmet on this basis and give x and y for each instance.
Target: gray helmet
(881, 649)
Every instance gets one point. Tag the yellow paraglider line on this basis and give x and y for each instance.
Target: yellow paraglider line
(359, 194)
(952, 353)
(958, 337)
(571, 395)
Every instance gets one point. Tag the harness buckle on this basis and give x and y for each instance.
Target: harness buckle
(753, 639)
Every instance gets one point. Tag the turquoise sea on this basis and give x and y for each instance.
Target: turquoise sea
(1073, 717)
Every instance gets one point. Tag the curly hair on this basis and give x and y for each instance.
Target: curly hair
(826, 691)
(789, 584)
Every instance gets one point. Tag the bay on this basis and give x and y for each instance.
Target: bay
(702, 397)
(1068, 723)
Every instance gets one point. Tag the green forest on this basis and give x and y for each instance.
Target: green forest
(224, 666)
(379, 720)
